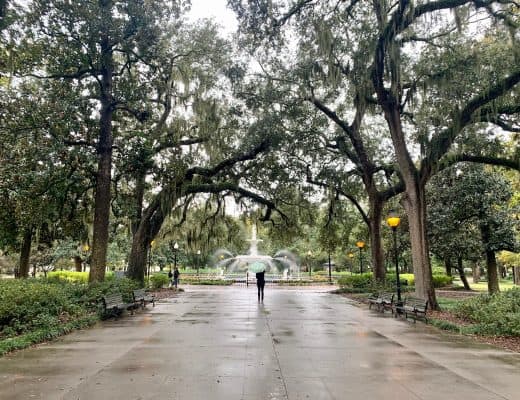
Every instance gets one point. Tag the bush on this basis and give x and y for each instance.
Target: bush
(157, 281)
(28, 305)
(73, 276)
(497, 314)
(441, 280)
(359, 281)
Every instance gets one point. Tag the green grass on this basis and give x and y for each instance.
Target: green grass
(504, 284)
(448, 304)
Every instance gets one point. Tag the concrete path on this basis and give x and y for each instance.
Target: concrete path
(218, 343)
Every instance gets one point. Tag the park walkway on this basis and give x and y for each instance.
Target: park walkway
(218, 343)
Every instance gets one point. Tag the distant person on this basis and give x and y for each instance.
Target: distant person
(176, 274)
(170, 277)
(260, 284)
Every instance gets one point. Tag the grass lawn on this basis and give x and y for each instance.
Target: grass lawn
(482, 286)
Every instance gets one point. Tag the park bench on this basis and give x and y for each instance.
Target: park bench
(383, 301)
(113, 304)
(414, 307)
(141, 298)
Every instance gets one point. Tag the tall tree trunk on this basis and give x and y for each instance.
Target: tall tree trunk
(476, 272)
(25, 253)
(415, 206)
(78, 263)
(149, 226)
(448, 265)
(104, 151)
(516, 275)
(460, 268)
(491, 262)
(376, 245)
(140, 185)
(492, 272)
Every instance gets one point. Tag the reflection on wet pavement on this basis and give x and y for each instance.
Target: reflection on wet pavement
(219, 343)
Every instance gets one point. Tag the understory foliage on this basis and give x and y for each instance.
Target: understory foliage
(35, 310)
(495, 314)
(366, 283)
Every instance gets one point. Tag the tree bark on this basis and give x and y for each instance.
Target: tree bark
(376, 246)
(415, 206)
(104, 151)
(516, 275)
(460, 268)
(476, 272)
(492, 272)
(149, 226)
(25, 253)
(448, 265)
(491, 262)
(78, 263)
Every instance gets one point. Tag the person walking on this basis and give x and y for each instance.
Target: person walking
(170, 277)
(176, 275)
(260, 284)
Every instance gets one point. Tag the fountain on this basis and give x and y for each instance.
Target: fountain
(283, 263)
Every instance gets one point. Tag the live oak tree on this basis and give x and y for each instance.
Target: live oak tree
(101, 53)
(408, 61)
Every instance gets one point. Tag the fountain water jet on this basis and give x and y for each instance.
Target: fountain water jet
(283, 262)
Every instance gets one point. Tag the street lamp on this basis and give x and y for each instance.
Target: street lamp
(175, 249)
(198, 262)
(360, 244)
(86, 248)
(351, 256)
(152, 244)
(393, 222)
(309, 255)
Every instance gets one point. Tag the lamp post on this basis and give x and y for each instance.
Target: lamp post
(175, 249)
(309, 255)
(152, 244)
(86, 248)
(330, 271)
(351, 256)
(360, 244)
(198, 262)
(393, 222)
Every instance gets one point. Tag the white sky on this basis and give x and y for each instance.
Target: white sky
(217, 10)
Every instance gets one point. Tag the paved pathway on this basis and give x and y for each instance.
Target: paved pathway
(218, 343)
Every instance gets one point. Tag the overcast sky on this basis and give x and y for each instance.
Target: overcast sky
(215, 9)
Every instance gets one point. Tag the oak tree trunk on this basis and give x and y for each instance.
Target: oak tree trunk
(492, 272)
(448, 265)
(103, 178)
(376, 245)
(460, 268)
(78, 263)
(516, 275)
(25, 253)
(415, 206)
(476, 272)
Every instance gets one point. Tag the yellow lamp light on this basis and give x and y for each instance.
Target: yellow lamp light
(393, 220)
(360, 244)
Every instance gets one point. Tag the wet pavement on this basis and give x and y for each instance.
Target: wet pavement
(219, 343)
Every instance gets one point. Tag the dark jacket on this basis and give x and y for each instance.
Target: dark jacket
(260, 277)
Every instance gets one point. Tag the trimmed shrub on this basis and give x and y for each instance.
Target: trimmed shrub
(157, 281)
(441, 280)
(359, 281)
(496, 314)
(73, 276)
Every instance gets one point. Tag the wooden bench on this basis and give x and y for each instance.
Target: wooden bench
(414, 307)
(383, 301)
(141, 298)
(113, 304)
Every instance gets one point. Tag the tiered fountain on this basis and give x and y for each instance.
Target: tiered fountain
(283, 263)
